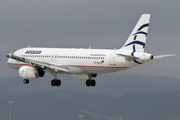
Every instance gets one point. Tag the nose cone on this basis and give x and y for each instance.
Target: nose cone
(9, 62)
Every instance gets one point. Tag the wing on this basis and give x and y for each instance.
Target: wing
(38, 64)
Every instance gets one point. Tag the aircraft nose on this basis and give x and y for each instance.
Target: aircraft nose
(9, 62)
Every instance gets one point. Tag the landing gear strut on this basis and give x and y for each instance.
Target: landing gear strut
(26, 81)
(55, 82)
(90, 82)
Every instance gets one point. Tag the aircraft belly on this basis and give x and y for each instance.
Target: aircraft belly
(90, 70)
(75, 70)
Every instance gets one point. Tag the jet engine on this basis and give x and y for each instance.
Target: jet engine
(28, 72)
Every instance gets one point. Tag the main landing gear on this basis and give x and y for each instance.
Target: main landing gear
(55, 82)
(90, 82)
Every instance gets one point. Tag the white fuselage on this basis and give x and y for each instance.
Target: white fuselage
(78, 61)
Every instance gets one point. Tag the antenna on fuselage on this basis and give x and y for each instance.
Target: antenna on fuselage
(28, 46)
(89, 47)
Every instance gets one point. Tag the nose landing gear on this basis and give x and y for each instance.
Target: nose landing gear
(26, 81)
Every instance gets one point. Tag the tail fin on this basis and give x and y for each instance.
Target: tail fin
(137, 39)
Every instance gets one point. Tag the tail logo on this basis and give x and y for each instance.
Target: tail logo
(137, 33)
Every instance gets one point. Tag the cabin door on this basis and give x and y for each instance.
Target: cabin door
(112, 59)
(54, 57)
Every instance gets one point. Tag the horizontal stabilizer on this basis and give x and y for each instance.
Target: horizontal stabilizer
(163, 56)
(127, 54)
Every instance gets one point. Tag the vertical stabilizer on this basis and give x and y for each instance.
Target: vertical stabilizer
(137, 39)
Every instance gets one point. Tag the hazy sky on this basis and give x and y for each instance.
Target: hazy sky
(96, 23)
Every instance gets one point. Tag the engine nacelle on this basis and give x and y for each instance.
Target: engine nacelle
(28, 72)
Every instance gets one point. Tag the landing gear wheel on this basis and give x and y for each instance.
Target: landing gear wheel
(58, 83)
(93, 83)
(55, 82)
(25, 81)
(90, 83)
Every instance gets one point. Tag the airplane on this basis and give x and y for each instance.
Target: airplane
(34, 62)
